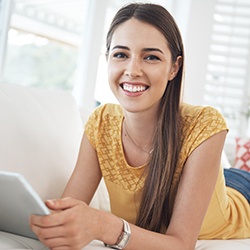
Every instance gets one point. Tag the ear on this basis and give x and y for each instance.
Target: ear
(175, 68)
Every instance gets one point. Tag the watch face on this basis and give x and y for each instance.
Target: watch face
(124, 240)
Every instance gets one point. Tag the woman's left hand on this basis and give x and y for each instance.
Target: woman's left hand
(71, 225)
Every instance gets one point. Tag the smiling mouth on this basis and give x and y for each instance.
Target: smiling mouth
(133, 88)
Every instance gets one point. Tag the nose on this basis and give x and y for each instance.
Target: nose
(133, 68)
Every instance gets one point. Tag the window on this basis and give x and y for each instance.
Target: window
(228, 70)
(43, 43)
(5, 10)
(59, 44)
(39, 62)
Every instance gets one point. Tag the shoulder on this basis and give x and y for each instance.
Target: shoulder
(201, 115)
(199, 124)
(106, 112)
(192, 111)
(106, 118)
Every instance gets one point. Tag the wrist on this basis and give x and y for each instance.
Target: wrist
(123, 238)
(109, 227)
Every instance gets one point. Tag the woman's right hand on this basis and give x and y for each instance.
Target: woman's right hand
(71, 225)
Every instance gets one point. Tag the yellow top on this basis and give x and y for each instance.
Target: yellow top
(228, 215)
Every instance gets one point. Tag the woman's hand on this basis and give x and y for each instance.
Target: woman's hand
(72, 224)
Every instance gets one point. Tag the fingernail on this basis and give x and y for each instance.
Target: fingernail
(50, 202)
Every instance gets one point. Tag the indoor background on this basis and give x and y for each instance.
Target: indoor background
(60, 44)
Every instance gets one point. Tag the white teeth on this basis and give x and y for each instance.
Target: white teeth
(133, 88)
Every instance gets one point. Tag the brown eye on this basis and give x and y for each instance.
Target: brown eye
(152, 58)
(120, 55)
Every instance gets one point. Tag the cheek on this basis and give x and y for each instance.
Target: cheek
(160, 84)
(112, 78)
(160, 77)
(112, 73)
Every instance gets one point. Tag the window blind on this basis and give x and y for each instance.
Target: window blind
(228, 70)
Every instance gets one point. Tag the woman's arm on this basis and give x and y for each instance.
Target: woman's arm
(86, 175)
(78, 224)
(196, 188)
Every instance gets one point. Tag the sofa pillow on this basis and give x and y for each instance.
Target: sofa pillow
(242, 160)
(40, 134)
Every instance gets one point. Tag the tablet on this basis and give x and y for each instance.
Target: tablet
(18, 201)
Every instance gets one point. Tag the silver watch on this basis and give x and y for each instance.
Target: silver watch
(124, 237)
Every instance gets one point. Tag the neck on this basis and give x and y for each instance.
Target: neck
(140, 147)
(139, 131)
(141, 122)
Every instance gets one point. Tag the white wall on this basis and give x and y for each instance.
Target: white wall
(88, 57)
(197, 40)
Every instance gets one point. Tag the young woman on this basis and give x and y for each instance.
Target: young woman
(160, 158)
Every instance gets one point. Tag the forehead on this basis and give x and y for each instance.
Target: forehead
(137, 33)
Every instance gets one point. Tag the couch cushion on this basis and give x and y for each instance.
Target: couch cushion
(40, 133)
(239, 244)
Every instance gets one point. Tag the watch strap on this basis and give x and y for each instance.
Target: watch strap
(124, 237)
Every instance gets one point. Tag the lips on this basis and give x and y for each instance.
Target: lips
(133, 88)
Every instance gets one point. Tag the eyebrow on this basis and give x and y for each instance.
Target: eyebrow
(145, 49)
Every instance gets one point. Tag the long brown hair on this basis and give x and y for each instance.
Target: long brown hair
(155, 210)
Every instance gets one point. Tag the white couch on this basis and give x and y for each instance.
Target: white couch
(40, 133)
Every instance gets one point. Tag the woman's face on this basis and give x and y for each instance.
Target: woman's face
(139, 65)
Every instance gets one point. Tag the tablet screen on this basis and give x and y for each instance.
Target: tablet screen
(18, 201)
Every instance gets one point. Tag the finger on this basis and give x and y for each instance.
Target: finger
(47, 233)
(51, 237)
(47, 221)
(55, 243)
(61, 204)
(61, 248)
(54, 240)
